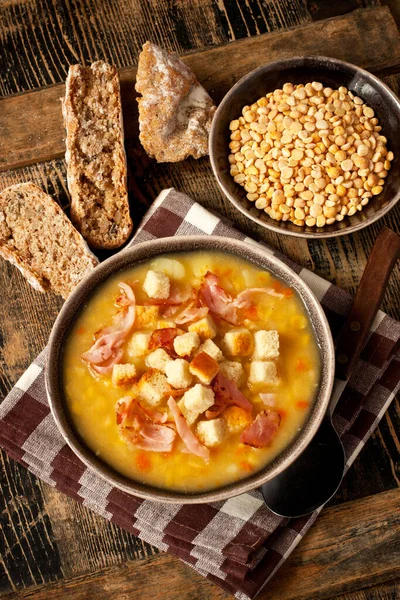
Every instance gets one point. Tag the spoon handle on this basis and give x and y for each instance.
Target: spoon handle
(383, 257)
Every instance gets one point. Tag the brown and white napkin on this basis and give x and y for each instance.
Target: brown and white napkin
(238, 544)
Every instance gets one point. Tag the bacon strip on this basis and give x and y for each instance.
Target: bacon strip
(131, 436)
(164, 338)
(242, 300)
(262, 431)
(175, 298)
(106, 366)
(106, 350)
(159, 434)
(268, 399)
(189, 439)
(144, 433)
(216, 299)
(170, 311)
(226, 393)
(128, 406)
(191, 313)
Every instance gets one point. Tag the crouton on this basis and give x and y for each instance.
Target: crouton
(266, 344)
(211, 433)
(186, 343)
(232, 370)
(153, 387)
(204, 367)
(263, 372)
(165, 324)
(238, 342)
(178, 374)
(236, 418)
(212, 350)
(199, 398)
(156, 285)
(190, 415)
(123, 374)
(138, 344)
(158, 359)
(146, 316)
(205, 328)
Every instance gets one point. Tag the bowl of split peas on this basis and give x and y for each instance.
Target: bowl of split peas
(309, 147)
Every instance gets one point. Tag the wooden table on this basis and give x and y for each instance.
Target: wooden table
(52, 546)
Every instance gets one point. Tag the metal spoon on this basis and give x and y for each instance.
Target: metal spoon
(313, 478)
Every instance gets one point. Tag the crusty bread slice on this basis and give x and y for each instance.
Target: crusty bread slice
(38, 238)
(175, 111)
(95, 155)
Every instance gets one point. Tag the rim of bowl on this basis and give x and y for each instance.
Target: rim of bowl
(270, 224)
(146, 251)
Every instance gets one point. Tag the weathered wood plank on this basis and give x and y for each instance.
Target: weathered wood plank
(31, 128)
(41, 38)
(353, 545)
(385, 591)
(331, 560)
(324, 9)
(29, 554)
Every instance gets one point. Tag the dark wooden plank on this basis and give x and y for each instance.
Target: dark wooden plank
(39, 39)
(32, 124)
(29, 554)
(386, 591)
(331, 560)
(324, 9)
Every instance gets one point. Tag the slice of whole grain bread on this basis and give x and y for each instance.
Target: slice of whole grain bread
(95, 155)
(38, 238)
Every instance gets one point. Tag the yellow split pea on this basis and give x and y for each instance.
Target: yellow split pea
(309, 154)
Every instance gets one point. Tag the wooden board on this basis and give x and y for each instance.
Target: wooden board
(330, 561)
(31, 126)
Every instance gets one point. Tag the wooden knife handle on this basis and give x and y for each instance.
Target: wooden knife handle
(383, 257)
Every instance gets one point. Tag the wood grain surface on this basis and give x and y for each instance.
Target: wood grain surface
(47, 539)
(330, 560)
(33, 123)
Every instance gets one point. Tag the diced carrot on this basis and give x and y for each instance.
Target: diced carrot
(282, 412)
(282, 289)
(301, 365)
(264, 277)
(251, 312)
(241, 450)
(143, 461)
(302, 404)
(81, 330)
(245, 465)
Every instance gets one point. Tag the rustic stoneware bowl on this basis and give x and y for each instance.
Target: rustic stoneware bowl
(143, 252)
(333, 73)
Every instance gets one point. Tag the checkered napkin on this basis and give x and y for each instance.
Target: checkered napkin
(238, 544)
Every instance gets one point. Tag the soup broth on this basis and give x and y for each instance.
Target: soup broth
(279, 390)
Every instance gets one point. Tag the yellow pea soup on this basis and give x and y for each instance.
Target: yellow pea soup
(91, 399)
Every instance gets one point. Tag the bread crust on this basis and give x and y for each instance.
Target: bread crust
(175, 111)
(38, 238)
(95, 155)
